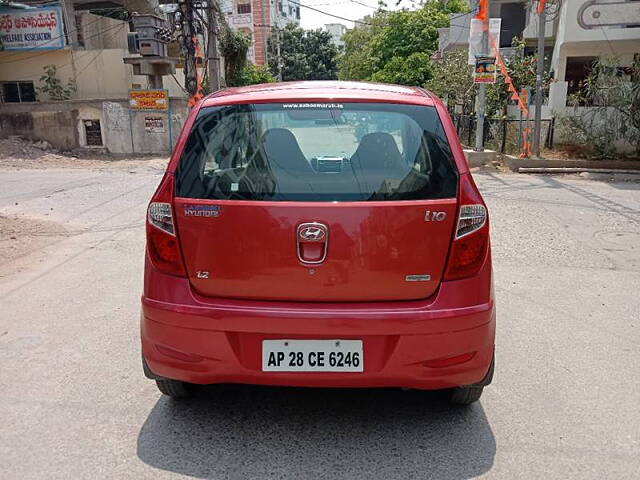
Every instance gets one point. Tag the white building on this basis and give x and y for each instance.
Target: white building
(575, 37)
(336, 30)
(256, 18)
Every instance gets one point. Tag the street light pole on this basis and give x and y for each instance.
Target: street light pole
(483, 14)
(537, 127)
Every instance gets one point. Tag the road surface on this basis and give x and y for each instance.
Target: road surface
(564, 403)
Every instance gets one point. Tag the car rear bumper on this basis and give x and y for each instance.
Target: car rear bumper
(445, 341)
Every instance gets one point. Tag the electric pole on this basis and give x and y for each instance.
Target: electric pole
(213, 57)
(187, 40)
(483, 15)
(264, 34)
(542, 17)
(279, 59)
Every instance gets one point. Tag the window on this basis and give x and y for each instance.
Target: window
(514, 19)
(79, 30)
(576, 73)
(16, 92)
(93, 134)
(244, 8)
(279, 152)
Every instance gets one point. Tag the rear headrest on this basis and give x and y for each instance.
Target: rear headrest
(377, 151)
(283, 151)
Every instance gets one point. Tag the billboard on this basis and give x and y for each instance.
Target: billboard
(149, 100)
(31, 29)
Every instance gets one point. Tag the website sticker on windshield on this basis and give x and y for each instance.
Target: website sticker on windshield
(312, 105)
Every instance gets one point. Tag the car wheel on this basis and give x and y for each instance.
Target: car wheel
(173, 388)
(465, 395)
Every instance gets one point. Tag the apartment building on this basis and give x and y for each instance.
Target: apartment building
(86, 43)
(336, 30)
(256, 19)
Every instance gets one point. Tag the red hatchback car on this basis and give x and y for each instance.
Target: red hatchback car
(319, 234)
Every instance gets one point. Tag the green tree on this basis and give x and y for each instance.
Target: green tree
(252, 75)
(234, 47)
(304, 54)
(53, 87)
(452, 80)
(522, 70)
(389, 45)
(415, 70)
(612, 94)
(357, 61)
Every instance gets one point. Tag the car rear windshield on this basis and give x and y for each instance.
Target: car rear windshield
(318, 152)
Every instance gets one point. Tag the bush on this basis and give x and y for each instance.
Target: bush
(252, 75)
(612, 112)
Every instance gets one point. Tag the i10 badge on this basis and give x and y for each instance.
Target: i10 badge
(430, 216)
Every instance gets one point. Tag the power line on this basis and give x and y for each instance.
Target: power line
(77, 74)
(363, 4)
(332, 15)
(45, 53)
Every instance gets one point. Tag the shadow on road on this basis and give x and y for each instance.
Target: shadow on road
(259, 432)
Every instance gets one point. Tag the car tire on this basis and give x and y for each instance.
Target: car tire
(465, 395)
(173, 388)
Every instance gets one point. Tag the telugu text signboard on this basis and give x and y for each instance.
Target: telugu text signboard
(33, 29)
(149, 100)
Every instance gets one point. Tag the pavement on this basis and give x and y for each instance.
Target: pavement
(564, 403)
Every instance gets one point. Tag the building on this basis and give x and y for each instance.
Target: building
(86, 44)
(336, 30)
(577, 33)
(256, 18)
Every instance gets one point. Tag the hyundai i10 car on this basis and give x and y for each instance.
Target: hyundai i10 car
(319, 234)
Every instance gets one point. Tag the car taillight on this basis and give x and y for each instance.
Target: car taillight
(471, 239)
(162, 243)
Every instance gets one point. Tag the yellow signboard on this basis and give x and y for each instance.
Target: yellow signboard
(149, 100)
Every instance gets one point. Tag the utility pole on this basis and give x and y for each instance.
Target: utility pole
(188, 48)
(483, 14)
(542, 18)
(264, 33)
(279, 59)
(213, 57)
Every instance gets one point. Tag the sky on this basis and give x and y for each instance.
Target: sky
(353, 9)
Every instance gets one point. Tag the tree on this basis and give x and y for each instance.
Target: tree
(304, 54)
(234, 47)
(452, 80)
(612, 95)
(357, 61)
(415, 70)
(522, 70)
(389, 46)
(252, 75)
(53, 87)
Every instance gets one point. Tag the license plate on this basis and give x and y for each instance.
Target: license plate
(312, 356)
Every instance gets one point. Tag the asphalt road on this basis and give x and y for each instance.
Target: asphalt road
(564, 403)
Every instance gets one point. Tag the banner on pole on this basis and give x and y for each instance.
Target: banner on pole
(485, 70)
(475, 37)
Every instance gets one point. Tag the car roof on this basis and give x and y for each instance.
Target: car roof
(320, 91)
